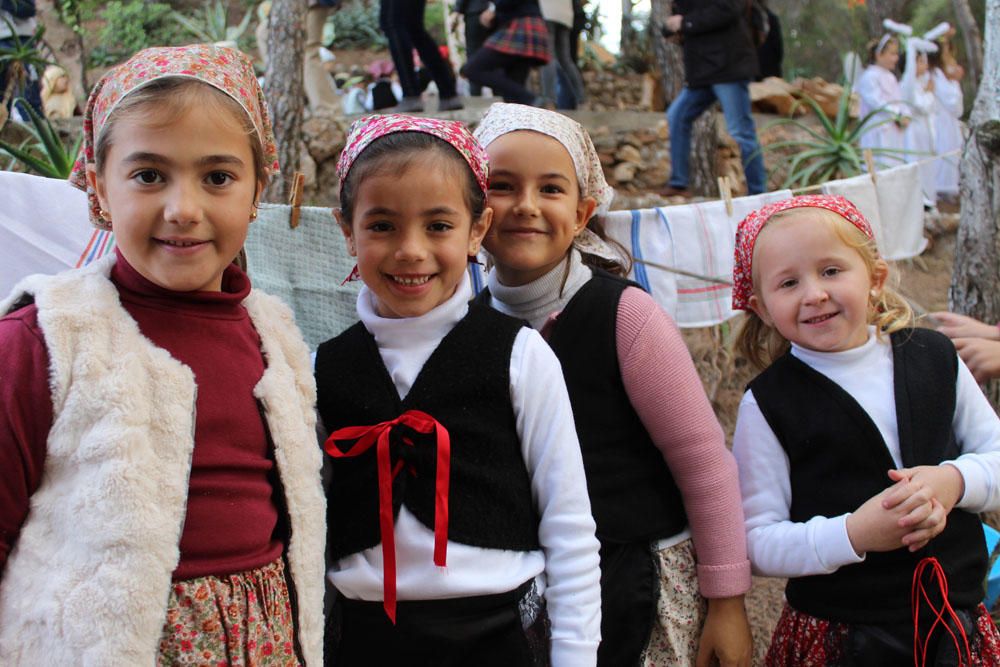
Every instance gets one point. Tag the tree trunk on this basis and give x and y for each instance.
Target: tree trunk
(884, 9)
(971, 36)
(667, 53)
(975, 282)
(704, 149)
(284, 90)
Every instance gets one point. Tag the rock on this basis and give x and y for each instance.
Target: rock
(624, 172)
(628, 153)
(774, 95)
(324, 134)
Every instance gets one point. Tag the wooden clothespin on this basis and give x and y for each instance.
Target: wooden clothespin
(295, 198)
(726, 193)
(870, 163)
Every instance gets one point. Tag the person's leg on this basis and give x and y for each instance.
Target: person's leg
(682, 113)
(562, 53)
(551, 69)
(735, 100)
(493, 68)
(428, 50)
(475, 35)
(564, 93)
(316, 81)
(393, 17)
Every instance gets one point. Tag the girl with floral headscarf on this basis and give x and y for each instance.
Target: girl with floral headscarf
(865, 450)
(160, 499)
(662, 484)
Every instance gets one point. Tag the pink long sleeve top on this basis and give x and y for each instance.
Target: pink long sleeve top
(667, 395)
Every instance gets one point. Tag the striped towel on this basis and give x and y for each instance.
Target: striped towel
(44, 228)
(697, 238)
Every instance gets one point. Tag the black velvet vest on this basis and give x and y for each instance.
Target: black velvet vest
(839, 460)
(465, 385)
(632, 495)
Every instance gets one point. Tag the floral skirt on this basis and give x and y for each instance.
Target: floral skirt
(802, 640)
(680, 609)
(239, 620)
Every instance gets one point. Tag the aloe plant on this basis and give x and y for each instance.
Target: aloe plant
(211, 23)
(831, 151)
(43, 153)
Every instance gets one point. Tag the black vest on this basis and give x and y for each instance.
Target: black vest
(632, 495)
(839, 460)
(465, 385)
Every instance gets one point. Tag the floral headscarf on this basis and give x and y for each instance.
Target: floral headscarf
(223, 68)
(366, 130)
(749, 228)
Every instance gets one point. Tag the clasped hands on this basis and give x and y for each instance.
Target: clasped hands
(910, 513)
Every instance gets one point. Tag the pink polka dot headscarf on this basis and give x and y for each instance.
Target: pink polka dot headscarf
(749, 228)
(366, 130)
(228, 70)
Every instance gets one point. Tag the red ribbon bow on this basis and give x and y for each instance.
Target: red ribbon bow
(367, 436)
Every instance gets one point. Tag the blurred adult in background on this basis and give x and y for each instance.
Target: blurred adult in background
(475, 32)
(771, 52)
(719, 62)
(317, 81)
(402, 21)
(519, 42)
(558, 15)
(17, 25)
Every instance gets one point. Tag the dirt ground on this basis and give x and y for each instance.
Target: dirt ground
(923, 280)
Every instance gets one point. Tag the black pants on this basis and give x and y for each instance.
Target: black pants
(475, 36)
(630, 586)
(486, 631)
(504, 73)
(402, 21)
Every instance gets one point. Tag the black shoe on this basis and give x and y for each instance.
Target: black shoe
(453, 103)
(409, 105)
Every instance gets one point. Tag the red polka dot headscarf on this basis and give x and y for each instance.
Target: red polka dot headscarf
(749, 228)
(366, 130)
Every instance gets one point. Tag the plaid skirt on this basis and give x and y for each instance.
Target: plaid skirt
(525, 36)
(240, 620)
(802, 640)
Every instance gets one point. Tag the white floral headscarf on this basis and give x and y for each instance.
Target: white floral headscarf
(502, 118)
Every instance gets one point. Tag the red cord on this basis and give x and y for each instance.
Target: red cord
(918, 593)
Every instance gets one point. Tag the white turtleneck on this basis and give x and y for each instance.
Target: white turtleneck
(779, 547)
(567, 567)
(542, 297)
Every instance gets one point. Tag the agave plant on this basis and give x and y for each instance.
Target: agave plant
(43, 153)
(832, 150)
(211, 23)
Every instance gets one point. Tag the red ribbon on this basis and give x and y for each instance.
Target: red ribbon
(367, 436)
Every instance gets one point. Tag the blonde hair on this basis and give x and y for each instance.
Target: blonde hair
(888, 311)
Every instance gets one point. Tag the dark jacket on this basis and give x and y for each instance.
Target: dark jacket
(717, 44)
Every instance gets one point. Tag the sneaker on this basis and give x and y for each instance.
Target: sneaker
(453, 103)
(671, 191)
(409, 104)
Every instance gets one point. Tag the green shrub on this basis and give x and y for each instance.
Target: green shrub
(355, 26)
(133, 25)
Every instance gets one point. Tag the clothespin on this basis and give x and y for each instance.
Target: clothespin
(726, 193)
(870, 163)
(295, 198)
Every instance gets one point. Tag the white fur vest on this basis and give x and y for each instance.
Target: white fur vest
(88, 580)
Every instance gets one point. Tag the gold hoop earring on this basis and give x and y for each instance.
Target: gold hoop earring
(253, 212)
(104, 220)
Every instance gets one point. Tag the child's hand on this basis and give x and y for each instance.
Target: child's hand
(874, 527)
(944, 482)
(981, 356)
(726, 635)
(954, 325)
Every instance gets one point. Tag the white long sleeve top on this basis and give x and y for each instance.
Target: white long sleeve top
(779, 547)
(878, 87)
(567, 566)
